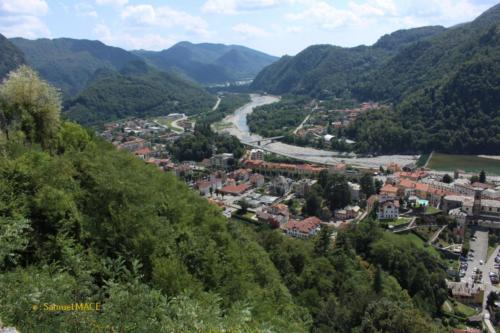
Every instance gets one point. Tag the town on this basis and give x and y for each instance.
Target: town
(455, 214)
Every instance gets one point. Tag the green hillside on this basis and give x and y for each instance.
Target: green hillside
(70, 63)
(137, 91)
(10, 56)
(209, 63)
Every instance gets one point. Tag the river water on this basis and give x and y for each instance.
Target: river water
(236, 124)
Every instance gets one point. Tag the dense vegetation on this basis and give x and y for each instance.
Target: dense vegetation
(210, 63)
(444, 84)
(70, 63)
(137, 91)
(10, 56)
(83, 222)
(278, 118)
(370, 281)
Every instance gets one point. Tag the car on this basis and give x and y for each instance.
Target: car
(471, 255)
(481, 262)
(493, 274)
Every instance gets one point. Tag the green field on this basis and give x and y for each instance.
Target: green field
(468, 163)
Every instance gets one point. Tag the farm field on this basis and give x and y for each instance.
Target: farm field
(468, 163)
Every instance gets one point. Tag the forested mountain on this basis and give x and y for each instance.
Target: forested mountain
(210, 63)
(81, 222)
(321, 70)
(10, 56)
(444, 84)
(137, 90)
(70, 63)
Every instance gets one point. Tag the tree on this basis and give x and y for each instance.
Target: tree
(474, 179)
(447, 179)
(367, 185)
(482, 177)
(377, 281)
(378, 185)
(30, 104)
(313, 204)
(244, 206)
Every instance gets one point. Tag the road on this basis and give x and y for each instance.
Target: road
(216, 103)
(176, 127)
(236, 124)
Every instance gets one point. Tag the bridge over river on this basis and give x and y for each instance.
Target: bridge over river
(236, 124)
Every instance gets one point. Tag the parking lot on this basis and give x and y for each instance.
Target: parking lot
(477, 256)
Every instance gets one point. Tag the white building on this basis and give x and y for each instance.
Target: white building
(388, 210)
(354, 189)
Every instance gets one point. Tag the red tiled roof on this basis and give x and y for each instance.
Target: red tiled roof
(388, 188)
(142, 151)
(304, 226)
(235, 189)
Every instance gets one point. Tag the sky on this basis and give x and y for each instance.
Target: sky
(277, 27)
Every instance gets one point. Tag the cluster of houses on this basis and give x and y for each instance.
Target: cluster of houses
(467, 202)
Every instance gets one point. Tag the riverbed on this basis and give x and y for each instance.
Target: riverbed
(236, 124)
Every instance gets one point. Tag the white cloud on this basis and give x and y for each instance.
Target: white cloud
(149, 41)
(27, 7)
(22, 18)
(324, 15)
(294, 29)
(230, 7)
(23, 26)
(249, 31)
(387, 13)
(111, 2)
(85, 9)
(165, 17)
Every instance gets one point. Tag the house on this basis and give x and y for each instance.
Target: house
(388, 210)
(241, 175)
(257, 180)
(302, 187)
(302, 229)
(256, 154)
(349, 212)
(222, 160)
(354, 189)
(466, 292)
(204, 187)
(235, 189)
(274, 215)
(143, 153)
(389, 190)
(281, 185)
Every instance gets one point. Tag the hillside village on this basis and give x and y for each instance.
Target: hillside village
(442, 211)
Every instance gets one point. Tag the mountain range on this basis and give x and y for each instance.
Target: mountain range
(210, 63)
(444, 84)
(70, 63)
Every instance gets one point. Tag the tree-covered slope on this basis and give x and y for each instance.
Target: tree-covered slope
(10, 56)
(331, 70)
(81, 222)
(70, 63)
(209, 63)
(138, 90)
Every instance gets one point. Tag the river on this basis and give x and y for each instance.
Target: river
(236, 124)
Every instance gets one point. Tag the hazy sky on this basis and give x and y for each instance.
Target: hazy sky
(274, 26)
